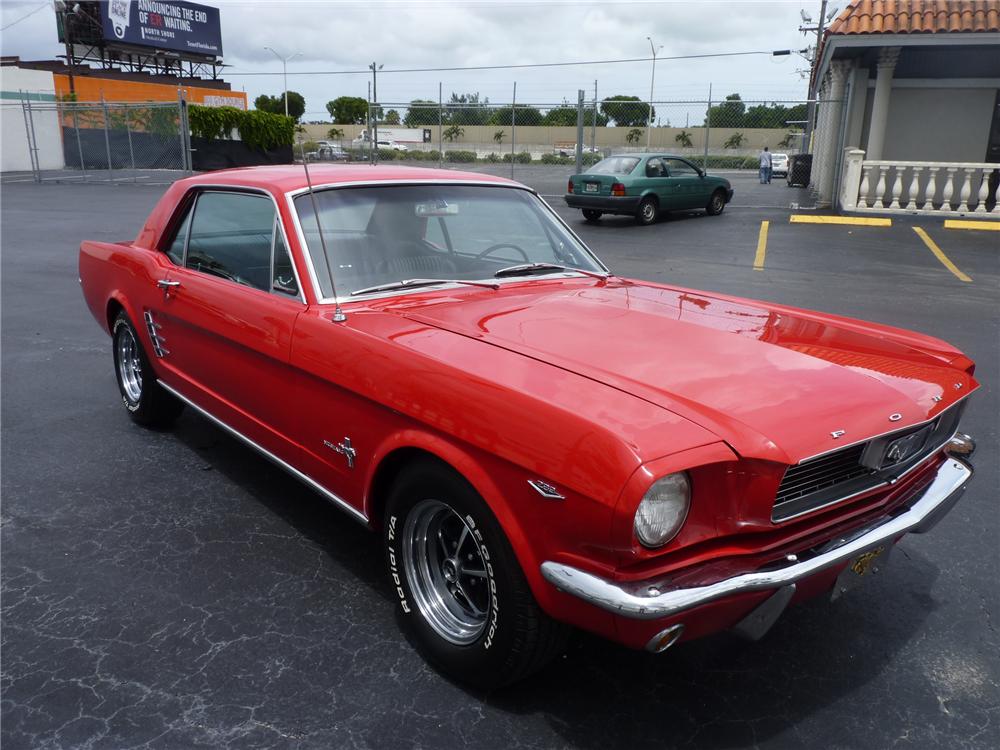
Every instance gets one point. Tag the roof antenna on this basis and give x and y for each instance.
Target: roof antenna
(338, 314)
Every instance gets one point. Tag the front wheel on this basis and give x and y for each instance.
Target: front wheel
(589, 214)
(646, 213)
(146, 402)
(461, 592)
(716, 204)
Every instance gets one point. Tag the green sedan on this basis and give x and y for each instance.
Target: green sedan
(643, 185)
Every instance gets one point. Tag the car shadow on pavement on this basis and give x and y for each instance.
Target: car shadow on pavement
(627, 222)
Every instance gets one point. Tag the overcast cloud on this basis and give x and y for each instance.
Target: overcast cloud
(436, 33)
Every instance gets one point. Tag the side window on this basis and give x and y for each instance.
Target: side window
(231, 235)
(655, 168)
(283, 275)
(176, 250)
(679, 168)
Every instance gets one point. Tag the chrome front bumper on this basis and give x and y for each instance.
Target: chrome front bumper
(924, 512)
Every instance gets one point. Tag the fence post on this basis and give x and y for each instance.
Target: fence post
(708, 128)
(579, 131)
(513, 126)
(29, 133)
(79, 145)
(131, 152)
(107, 138)
(440, 129)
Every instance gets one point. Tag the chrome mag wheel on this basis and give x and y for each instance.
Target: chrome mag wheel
(129, 364)
(446, 572)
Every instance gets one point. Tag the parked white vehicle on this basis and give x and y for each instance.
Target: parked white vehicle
(392, 145)
(779, 165)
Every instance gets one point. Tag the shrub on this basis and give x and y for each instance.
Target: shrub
(388, 154)
(521, 157)
(432, 155)
(257, 129)
(590, 159)
(493, 157)
(460, 156)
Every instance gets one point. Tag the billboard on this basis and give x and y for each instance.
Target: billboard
(176, 25)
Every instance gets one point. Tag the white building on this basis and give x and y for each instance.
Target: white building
(17, 85)
(909, 113)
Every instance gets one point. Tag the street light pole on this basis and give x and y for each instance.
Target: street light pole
(652, 78)
(284, 72)
(375, 68)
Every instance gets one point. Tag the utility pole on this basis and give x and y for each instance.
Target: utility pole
(813, 82)
(284, 72)
(69, 52)
(593, 123)
(375, 68)
(649, 118)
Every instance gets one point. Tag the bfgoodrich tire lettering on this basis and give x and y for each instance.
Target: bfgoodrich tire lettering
(147, 403)
(488, 630)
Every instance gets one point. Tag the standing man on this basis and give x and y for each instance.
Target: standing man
(765, 167)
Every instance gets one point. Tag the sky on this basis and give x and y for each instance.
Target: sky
(349, 35)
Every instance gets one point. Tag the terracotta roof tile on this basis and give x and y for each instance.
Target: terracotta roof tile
(917, 17)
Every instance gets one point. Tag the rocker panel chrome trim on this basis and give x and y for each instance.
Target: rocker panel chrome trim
(942, 492)
(304, 478)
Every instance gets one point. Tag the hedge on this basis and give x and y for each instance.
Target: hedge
(460, 156)
(260, 130)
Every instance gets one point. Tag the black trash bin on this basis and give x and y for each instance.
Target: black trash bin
(799, 169)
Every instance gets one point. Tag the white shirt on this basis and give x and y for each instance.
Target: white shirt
(765, 158)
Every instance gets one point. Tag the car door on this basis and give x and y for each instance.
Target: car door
(687, 182)
(653, 178)
(224, 321)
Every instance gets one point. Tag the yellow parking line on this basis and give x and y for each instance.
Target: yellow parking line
(758, 261)
(858, 221)
(989, 226)
(939, 254)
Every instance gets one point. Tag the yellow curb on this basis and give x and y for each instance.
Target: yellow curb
(989, 226)
(858, 221)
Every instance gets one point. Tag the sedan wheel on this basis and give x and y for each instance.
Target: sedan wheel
(592, 215)
(717, 203)
(646, 213)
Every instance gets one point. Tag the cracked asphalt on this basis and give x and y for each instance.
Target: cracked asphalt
(172, 590)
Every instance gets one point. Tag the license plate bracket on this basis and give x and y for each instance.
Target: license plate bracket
(591, 187)
(862, 566)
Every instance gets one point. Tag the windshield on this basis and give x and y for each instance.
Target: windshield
(614, 165)
(380, 235)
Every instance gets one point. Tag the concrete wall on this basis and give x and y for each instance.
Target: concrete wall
(939, 124)
(38, 85)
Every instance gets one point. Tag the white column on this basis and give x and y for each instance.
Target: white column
(820, 134)
(851, 182)
(887, 58)
(831, 124)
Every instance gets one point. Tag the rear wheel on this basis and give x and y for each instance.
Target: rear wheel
(717, 203)
(592, 215)
(647, 211)
(462, 595)
(146, 402)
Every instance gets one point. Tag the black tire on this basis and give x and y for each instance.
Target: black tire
(592, 215)
(717, 203)
(146, 402)
(647, 211)
(516, 637)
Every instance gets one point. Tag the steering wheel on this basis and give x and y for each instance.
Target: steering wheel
(491, 248)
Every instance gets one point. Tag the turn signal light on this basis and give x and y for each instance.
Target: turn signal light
(569, 187)
(618, 189)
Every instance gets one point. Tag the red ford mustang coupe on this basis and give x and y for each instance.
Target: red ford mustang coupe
(541, 443)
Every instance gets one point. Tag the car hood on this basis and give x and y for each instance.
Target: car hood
(774, 382)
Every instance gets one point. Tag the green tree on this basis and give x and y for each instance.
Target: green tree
(684, 139)
(626, 111)
(789, 138)
(467, 109)
(348, 110)
(335, 134)
(633, 135)
(728, 114)
(565, 116)
(452, 132)
(734, 141)
(525, 116)
(392, 117)
(276, 104)
(421, 112)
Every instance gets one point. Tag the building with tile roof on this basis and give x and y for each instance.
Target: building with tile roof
(908, 80)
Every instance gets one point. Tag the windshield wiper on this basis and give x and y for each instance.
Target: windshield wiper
(407, 283)
(526, 269)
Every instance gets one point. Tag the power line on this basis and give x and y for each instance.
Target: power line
(28, 15)
(506, 67)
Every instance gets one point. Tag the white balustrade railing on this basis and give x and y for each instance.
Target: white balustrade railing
(920, 187)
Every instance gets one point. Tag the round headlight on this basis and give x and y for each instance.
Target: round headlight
(663, 509)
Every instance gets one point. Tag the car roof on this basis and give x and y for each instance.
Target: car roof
(288, 177)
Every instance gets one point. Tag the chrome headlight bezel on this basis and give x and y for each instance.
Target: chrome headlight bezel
(663, 510)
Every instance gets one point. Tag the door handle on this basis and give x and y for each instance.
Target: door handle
(167, 283)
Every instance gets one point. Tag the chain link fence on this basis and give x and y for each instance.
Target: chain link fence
(107, 141)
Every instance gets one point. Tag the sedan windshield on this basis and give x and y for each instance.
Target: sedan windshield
(378, 236)
(614, 165)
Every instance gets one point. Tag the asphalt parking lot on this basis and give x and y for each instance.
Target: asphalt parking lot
(172, 590)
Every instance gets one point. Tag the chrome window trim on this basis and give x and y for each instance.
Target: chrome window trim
(341, 299)
(356, 514)
(888, 432)
(223, 188)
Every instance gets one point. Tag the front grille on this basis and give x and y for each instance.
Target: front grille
(849, 471)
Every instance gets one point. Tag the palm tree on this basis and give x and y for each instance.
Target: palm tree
(335, 134)
(633, 135)
(499, 136)
(452, 132)
(734, 141)
(683, 138)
